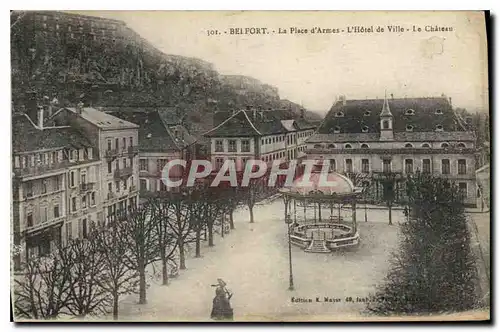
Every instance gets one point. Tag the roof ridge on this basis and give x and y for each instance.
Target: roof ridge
(223, 122)
(251, 123)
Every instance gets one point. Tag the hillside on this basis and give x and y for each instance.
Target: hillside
(106, 64)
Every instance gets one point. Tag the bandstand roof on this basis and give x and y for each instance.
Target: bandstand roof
(317, 186)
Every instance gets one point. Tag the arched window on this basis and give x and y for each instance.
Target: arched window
(426, 145)
(439, 112)
(439, 128)
(385, 124)
(409, 128)
(461, 145)
(364, 129)
(444, 145)
(410, 112)
(339, 114)
(336, 129)
(364, 146)
(331, 146)
(348, 146)
(408, 145)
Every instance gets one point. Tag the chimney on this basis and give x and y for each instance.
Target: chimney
(302, 112)
(40, 117)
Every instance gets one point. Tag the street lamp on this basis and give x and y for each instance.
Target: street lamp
(288, 221)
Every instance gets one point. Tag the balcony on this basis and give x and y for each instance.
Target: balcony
(111, 154)
(110, 196)
(49, 223)
(40, 170)
(133, 150)
(123, 172)
(86, 187)
(133, 189)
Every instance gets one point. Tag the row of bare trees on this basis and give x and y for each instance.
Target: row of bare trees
(89, 276)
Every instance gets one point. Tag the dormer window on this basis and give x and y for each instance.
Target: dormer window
(461, 145)
(364, 129)
(339, 114)
(439, 128)
(445, 145)
(364, 146)
(336, 130)
(348, 146)
(331, 146)
(385, 124)
(426, 145)
(409, 128)
(408, 145)
(367, 113)
(439, 112)
(410, 112)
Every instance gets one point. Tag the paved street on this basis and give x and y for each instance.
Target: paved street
(480, 244)
(253, 260)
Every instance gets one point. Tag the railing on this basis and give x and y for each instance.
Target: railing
(133, 188)
(111, 196)
(123, 172)
(391, 151)
(39, 170)
(84, 187)
(111, 153)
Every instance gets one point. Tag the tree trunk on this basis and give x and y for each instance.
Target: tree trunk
(211, 234)
(231, 220)
(115, 305)
(142, 282)
(250, 208)
(390, 214)
(182, 256)
(198, 240)
(164, 270)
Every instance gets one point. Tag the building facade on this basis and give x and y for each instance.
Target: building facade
(367, 138)
(255, 134)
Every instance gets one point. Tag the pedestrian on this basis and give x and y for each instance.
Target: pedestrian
(221, 306)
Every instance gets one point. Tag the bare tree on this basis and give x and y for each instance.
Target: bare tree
(117, 278)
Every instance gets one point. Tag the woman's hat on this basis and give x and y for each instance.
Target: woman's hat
(221, 282)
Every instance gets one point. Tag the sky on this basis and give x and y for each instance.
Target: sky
(314, 69)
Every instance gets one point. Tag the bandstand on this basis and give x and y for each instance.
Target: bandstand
(321, 212)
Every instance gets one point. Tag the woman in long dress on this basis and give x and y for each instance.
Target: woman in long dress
(221, 307)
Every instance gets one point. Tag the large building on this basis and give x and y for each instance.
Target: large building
(161, 139)
(396, 135)
(55, 192)
(257, 134)
(116, 142)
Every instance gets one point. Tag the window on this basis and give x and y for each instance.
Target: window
(462, 166)
(219, 146)
(348, 146)
(73, 204)
(444, 145)
(45, 214)
(92, 198)
(385, 124)
(364, 129)
(160, 164)
(29, 219)
(462, 188)
(445, 166)
(110, 188)
(131, 141)
(426, 145)
(232, 145)
(219, 162)
(408, 145)
(84, 228)
(56, 211)
(117, 144)
(331, 146)
(125, 184)
(124, 143)
(84, 178)
(336, 130)
(69, 231)
(117, 186)
(386, 166)
(317, 146)
(439, 128)
(408, 166)
(439, 112)
(44, 186)
(333, 165)
(461, 145)
(348, 165)
(426, 166)
(409, 128)
(84, 202)
(143, 165)
(367, 113)
(262, 142)
(110, 167)
(72, 179)
(339, 114)
(365, 166)
(364, 146)
(245, 146)
(124, 161)
(410, 112)
(109, 145)
(143, 184)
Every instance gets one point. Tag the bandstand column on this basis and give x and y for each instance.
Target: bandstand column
(305, 211)
(353, 206)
